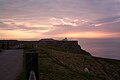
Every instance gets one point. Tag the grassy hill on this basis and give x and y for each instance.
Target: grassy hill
(58, 65)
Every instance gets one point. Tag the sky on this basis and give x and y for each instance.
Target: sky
(35, 19)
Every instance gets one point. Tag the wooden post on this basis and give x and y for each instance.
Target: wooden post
(32, 64)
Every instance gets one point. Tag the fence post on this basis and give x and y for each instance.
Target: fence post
(32, 65)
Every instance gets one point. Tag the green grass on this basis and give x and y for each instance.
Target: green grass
(51, 68)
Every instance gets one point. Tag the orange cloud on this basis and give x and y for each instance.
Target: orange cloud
(17, 34)
(56, 27)
(25, 23)
(87, 35)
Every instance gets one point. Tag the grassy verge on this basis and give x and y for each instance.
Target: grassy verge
(51, 68)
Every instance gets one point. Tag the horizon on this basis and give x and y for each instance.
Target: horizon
(69, 39)
(99, 47)
(21, 19)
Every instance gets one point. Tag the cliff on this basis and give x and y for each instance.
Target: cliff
(67, 46)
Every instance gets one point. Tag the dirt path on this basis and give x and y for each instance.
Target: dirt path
(10, 64)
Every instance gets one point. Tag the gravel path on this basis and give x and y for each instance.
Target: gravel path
(10, 64)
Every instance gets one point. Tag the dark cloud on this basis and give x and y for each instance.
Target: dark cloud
(112, 28)
(6, 27)
(104, 7)
(108, 19)
(59, 8)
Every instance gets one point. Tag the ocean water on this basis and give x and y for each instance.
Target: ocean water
(106, 48)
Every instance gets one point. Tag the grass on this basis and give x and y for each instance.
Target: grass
(51, 68)
(75, 64)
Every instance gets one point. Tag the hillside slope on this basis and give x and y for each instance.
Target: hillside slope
(55, 63)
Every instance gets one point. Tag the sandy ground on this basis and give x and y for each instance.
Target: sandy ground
(10, 64)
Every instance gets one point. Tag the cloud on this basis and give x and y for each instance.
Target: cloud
(104, 7)
(12, 25)
(109, 19)
(54, 17)
(111, 29)
(58, 8)
(67, 22)
(6, 27)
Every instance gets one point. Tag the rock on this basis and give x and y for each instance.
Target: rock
(87, 70)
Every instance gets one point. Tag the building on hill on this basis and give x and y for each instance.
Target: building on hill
(48, 39)
(65, 39)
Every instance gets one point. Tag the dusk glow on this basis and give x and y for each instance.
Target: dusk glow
(22, 19)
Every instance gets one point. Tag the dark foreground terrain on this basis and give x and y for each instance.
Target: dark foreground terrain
(66, 60)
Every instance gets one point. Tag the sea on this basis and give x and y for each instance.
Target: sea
(101, 47)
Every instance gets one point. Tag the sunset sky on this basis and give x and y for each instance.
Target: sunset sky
(34, 19)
